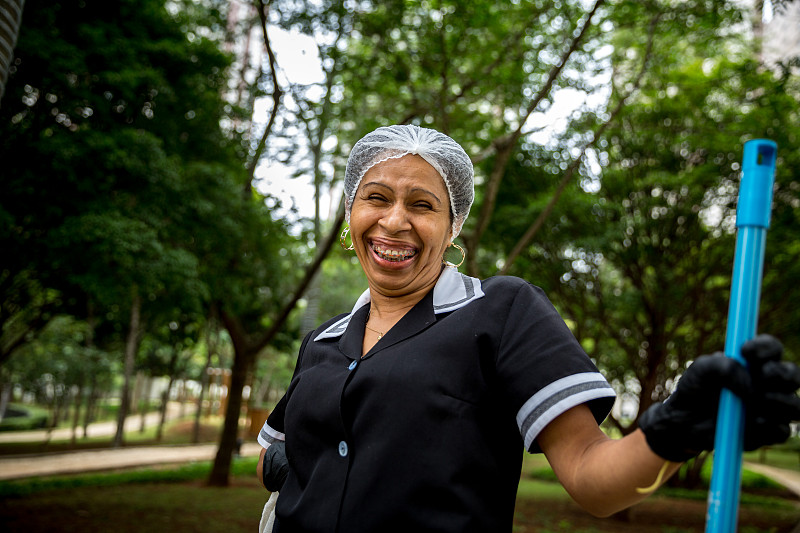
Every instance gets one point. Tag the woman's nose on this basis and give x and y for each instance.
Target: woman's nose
(395, 219)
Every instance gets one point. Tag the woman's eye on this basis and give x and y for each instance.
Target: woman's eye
(423, 205)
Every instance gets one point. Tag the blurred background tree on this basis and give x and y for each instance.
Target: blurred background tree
(638, 255)
(123, 198)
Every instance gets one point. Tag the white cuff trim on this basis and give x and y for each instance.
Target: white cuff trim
(267, 436)
(557, 398)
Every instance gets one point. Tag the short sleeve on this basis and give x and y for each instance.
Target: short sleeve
(273, 428)
(543, 368)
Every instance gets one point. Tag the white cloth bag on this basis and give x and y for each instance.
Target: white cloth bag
(268, 514)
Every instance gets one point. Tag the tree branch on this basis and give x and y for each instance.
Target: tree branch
(556, 70)
(504, 145)
(502, 57)
(277, 93)
(537, 224)
(310, 271)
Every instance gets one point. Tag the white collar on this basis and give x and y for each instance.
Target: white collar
(452, 291)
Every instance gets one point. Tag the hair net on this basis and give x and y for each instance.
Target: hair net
(439, 150)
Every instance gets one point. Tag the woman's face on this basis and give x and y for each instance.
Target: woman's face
(400, 225)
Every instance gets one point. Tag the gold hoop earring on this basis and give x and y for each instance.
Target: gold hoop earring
(463, 256)
(343, 239)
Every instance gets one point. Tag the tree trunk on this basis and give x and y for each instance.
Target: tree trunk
(144, 401)
(56, 409)
(693, 479)
(758, 29)
(182, 398)
(204, 380)
(164, 401)
(199, 411)
(5, 397)
(264, 390)
(688, 477)
(131, 347)
(92, 396)
(242, 362)
(77, 414)
(59, 406)
(91, 405)
(245, 352)
(471, 242)
(173, 363)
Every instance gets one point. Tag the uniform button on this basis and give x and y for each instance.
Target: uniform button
(343, 449)
(352, 365)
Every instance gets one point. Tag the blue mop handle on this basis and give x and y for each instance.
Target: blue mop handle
(752, 222)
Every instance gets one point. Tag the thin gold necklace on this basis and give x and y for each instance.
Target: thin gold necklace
(380, 333)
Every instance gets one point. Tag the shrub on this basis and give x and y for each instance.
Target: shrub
(21, 417)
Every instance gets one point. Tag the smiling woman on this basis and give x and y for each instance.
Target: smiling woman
(400, 226)
(409, 412)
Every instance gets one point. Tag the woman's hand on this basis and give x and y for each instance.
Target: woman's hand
(684, 425)
(774, 403)
(273, 467)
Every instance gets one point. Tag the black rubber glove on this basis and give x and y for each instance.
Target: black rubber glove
(774, 403)
(684, 425)
(275, 466)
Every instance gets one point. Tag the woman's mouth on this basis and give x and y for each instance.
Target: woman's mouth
(394, 255)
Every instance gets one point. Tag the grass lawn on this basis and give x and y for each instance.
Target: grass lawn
(146, 507)
(786, 456)
(177, 500)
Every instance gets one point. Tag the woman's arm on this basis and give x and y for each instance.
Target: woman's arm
(601, 474)
(260, 467)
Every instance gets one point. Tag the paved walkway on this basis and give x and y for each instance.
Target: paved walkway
(788, 478)
(95, 429)
(54, 463)
(97, 460)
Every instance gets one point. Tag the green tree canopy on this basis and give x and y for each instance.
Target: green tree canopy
(639, 253)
